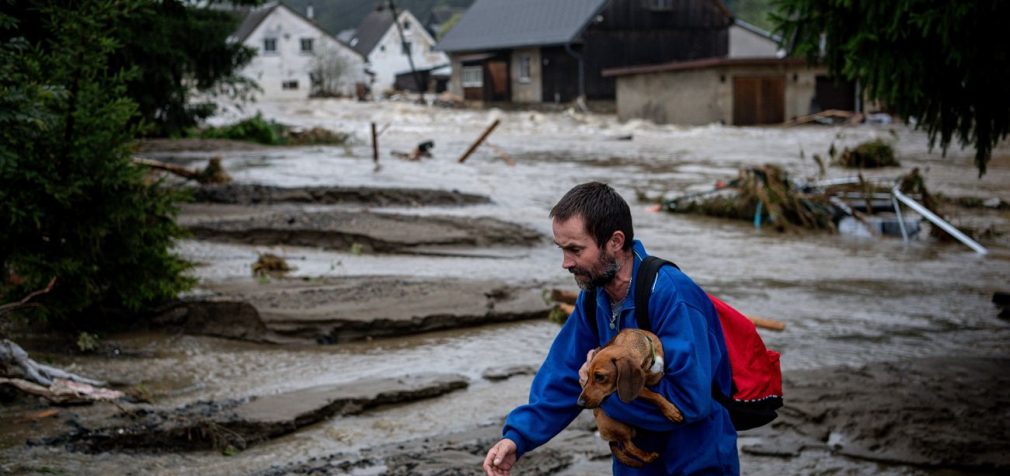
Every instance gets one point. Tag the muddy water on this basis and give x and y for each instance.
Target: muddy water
(845, 300)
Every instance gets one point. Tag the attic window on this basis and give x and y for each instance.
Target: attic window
(269, 45)
(659, 5)
(406, 25)
(306, 45)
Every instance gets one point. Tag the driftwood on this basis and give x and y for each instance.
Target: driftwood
(214, 173)
(56, 385)
(479, 140)
(11, 307)
(502, 155)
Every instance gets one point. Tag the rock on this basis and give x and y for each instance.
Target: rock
(502, 373)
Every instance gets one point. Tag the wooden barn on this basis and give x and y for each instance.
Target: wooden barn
(554, 51)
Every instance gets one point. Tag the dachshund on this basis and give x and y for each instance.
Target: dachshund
(629, 362)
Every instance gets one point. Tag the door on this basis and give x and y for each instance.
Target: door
(759, 100)
(498, 77)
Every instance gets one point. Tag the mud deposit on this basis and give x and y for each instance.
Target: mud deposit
(252, 194)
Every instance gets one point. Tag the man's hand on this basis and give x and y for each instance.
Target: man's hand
(584, 370)
(500, 458)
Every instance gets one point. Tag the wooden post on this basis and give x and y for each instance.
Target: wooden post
(479, 140)
(375, 145)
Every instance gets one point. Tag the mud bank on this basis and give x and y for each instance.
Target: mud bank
(894, 418)
(238, 424)
(937, 413)
(366, 231)
(463, 453)
(341, 310)
(254, 194)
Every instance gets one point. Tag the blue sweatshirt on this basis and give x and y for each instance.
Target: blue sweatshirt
(695, 356)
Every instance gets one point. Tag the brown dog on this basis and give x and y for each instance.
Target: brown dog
(629, 362)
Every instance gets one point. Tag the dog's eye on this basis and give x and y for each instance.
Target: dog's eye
(599, 376)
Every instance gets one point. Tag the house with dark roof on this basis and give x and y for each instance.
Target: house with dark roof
(554, 51)
(295, 57)
(388, 45)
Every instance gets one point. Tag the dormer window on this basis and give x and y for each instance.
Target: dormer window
(269, 45)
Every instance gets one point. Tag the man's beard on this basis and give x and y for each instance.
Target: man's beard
(586, 279)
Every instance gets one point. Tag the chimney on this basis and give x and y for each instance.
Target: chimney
(309, 12)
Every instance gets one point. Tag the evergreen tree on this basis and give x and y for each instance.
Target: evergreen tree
(944, 63)
(72, 204)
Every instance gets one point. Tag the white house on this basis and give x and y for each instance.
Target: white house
(378, 39)
(749, 41)
(295, 57)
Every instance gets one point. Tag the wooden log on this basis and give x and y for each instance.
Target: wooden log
(375, 145)
(765, 323)
(561, 295)
(479, 140)
(171, 168)
(568, 309)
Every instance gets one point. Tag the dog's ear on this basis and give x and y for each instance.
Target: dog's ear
(630, 378)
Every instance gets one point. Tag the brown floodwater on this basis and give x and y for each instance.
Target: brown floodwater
(845, 300)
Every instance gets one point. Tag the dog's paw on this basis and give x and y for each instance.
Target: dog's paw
(673, 414)
(650, 457)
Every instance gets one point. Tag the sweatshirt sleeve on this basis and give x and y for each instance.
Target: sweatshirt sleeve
(555, 389)
(692, 354)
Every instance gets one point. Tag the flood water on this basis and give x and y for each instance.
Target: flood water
(845, 300)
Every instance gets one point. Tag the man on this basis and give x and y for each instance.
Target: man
(592, 226)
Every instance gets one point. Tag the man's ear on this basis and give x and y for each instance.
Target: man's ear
(616, 241)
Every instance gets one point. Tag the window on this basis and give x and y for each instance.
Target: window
(406, 25)
(306, 45)
(406, 48)
(269, 45)
(382, 48)
(473, 76)
(524, 69)
(290, 84)
(659, 5)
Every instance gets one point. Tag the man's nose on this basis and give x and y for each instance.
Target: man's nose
(567, 263)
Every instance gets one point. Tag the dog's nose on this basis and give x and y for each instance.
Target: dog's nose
(582, 402)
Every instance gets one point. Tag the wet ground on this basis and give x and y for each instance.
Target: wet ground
(862, 303)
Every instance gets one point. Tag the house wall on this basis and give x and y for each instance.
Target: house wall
(744, 43)
(705, 96)
(290, 63)
(529, 90)
(629, 33)
(387, 60)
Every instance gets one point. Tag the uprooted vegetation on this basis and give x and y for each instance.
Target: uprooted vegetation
(257, 129)
(766, 195)
(763, 194)
(869, 155)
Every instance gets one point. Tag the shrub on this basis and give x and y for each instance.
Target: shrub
(869, 155)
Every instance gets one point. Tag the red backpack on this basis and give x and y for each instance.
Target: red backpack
(757, 377)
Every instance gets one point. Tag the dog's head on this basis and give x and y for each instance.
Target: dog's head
(612, 370)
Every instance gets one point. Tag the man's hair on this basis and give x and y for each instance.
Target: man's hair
(601, 208)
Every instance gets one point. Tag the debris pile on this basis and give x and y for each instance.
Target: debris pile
(868, 155)
(270, 264)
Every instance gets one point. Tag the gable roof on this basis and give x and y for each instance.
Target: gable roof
(371, 30)
(515, 23)
(255, 17)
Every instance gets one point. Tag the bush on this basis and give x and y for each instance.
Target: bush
(254, 129)
(72, 203)
(869, 155)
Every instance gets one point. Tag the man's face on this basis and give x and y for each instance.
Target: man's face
(592, 265)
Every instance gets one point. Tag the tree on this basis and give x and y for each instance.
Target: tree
(945, 64)
(72, 204)
(328, 71)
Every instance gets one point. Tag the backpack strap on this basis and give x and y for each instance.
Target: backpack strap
(644, 281)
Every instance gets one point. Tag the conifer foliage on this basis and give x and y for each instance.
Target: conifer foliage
(944, 63)
(72, 204)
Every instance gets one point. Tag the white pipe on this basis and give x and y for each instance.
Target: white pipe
(901, 220)
(914, 205)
